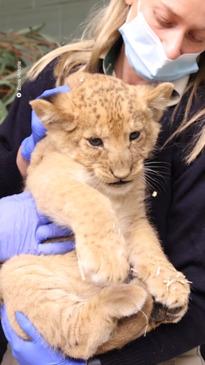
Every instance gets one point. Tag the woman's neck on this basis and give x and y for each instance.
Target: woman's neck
(125, 72)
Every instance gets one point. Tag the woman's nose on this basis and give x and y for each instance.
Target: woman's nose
(173, 46)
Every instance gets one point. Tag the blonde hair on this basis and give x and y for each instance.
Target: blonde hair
(99, 36)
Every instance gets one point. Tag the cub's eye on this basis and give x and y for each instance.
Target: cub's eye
(96, 142)
(134, 135)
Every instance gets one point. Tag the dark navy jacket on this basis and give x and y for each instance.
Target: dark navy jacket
(178, 212)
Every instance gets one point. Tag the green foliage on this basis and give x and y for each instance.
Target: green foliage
(18, 52)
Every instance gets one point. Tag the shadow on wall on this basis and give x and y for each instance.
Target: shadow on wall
(61, 17)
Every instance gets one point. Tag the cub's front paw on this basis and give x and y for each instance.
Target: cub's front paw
(170, 290)
(103, 264)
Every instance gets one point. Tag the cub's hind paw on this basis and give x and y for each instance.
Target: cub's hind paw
(124, 300)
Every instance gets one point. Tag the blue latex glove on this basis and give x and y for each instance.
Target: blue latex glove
(33, 352)
(23, 229)
(38, 129)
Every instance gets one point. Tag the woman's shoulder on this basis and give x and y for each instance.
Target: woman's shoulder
(44, 81)
(17, 124)
(181, 124)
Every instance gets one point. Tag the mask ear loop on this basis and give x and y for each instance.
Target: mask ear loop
(138, 6)
(128, 15)
(130, 8)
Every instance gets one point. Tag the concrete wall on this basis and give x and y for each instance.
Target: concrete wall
(61, 17)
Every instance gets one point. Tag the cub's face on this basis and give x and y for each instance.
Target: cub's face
(107, 126)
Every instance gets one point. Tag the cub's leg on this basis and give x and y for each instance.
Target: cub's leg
(72, 315)
(100, 246)
(129, 328)
(96, 322)
(169, 287)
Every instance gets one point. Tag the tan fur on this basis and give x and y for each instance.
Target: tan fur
(79, 301)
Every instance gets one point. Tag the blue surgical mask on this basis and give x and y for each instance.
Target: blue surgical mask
(146, 54)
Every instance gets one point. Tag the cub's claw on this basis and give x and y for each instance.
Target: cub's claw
(170, 291)
(162, 314)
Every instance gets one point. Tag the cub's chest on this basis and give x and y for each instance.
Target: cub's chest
(129, 209)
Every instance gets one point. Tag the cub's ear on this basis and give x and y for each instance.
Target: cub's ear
(51, 116)
(45, 110)
(159, 97)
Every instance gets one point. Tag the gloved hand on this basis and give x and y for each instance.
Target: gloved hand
(38, 129)
(23, 229)
(33, 352)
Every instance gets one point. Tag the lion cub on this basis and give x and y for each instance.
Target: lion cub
(88, 174)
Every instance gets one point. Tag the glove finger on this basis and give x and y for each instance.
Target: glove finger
(25, 195)
(54, 91)
(38, 129)
(58, 248)
(51, 230)
(43, 220)
(27, 147)
(28, 327)
(8, 331)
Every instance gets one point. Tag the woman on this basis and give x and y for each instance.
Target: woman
(138, 41)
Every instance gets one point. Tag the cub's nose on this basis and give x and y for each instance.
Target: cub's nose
(121, 173)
